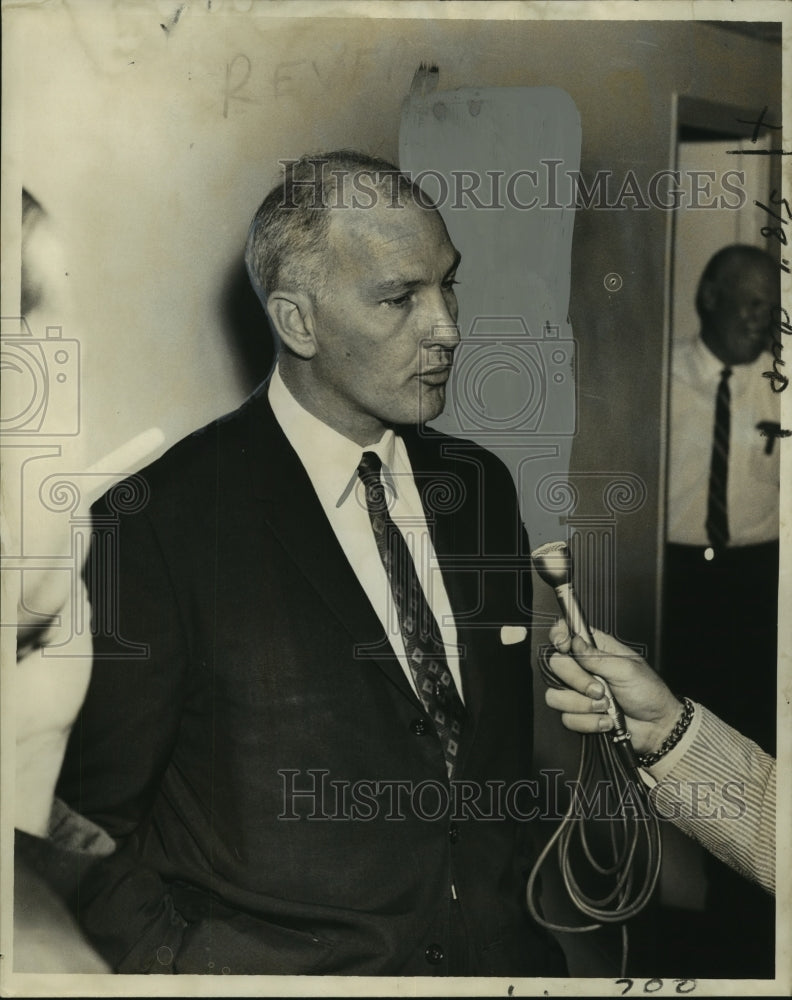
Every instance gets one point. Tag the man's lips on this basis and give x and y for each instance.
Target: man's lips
(435, 376)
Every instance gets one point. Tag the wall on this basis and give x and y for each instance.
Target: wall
(151, 147)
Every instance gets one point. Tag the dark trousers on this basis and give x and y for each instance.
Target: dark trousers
(719, 639)
(719, 647)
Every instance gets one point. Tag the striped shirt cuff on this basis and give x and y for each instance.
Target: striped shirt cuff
(720, 788)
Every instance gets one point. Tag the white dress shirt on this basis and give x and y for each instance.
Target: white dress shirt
(331, 461)
(753, 483)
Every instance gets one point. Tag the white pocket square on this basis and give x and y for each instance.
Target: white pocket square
(513, 633)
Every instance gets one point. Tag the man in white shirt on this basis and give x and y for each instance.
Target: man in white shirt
(302, 772)
(721, 562)
(720, 606)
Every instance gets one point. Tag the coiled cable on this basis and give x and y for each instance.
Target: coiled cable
(633, 867)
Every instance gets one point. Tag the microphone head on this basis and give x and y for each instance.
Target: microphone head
(553, 563)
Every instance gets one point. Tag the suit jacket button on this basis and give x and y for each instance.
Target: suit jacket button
(434, 954)
(453, 833)
(418, 726)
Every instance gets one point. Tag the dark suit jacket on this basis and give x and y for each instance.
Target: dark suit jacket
(265, 674)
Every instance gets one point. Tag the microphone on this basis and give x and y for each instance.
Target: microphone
(553, 563)
(619, 764)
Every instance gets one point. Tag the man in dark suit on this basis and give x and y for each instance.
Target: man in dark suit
(300, 778)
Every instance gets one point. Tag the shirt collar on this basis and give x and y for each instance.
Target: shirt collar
(330, 458)
(709, 367)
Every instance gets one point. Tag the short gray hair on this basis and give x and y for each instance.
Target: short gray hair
(288, 234)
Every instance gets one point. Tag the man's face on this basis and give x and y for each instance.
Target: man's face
(744, 303)
(385, 320)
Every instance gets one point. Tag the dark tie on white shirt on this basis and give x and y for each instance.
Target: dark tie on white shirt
(423, 643)
(717, 522)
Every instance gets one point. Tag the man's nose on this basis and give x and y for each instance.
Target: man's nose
(443, 330)
(444, 335)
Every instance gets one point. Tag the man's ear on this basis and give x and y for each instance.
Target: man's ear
(291, 314)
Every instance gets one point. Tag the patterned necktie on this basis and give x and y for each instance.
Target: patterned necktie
(420, 633)
(717, 514)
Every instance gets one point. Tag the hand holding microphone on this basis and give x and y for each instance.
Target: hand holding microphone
(608, 687)
(650, 708)
(591, 705)
(553, 563)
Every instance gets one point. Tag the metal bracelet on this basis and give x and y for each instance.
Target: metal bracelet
(676, 734)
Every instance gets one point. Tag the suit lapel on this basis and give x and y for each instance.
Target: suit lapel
(294, 513)
(296, 517)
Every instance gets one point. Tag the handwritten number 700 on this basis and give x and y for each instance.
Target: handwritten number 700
(655, 985)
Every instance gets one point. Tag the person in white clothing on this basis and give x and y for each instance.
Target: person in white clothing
(721, 579)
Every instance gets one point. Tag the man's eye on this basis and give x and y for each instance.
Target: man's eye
(448, 285)
(400, 300)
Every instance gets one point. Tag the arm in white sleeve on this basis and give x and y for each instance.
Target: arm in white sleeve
(719, 787)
